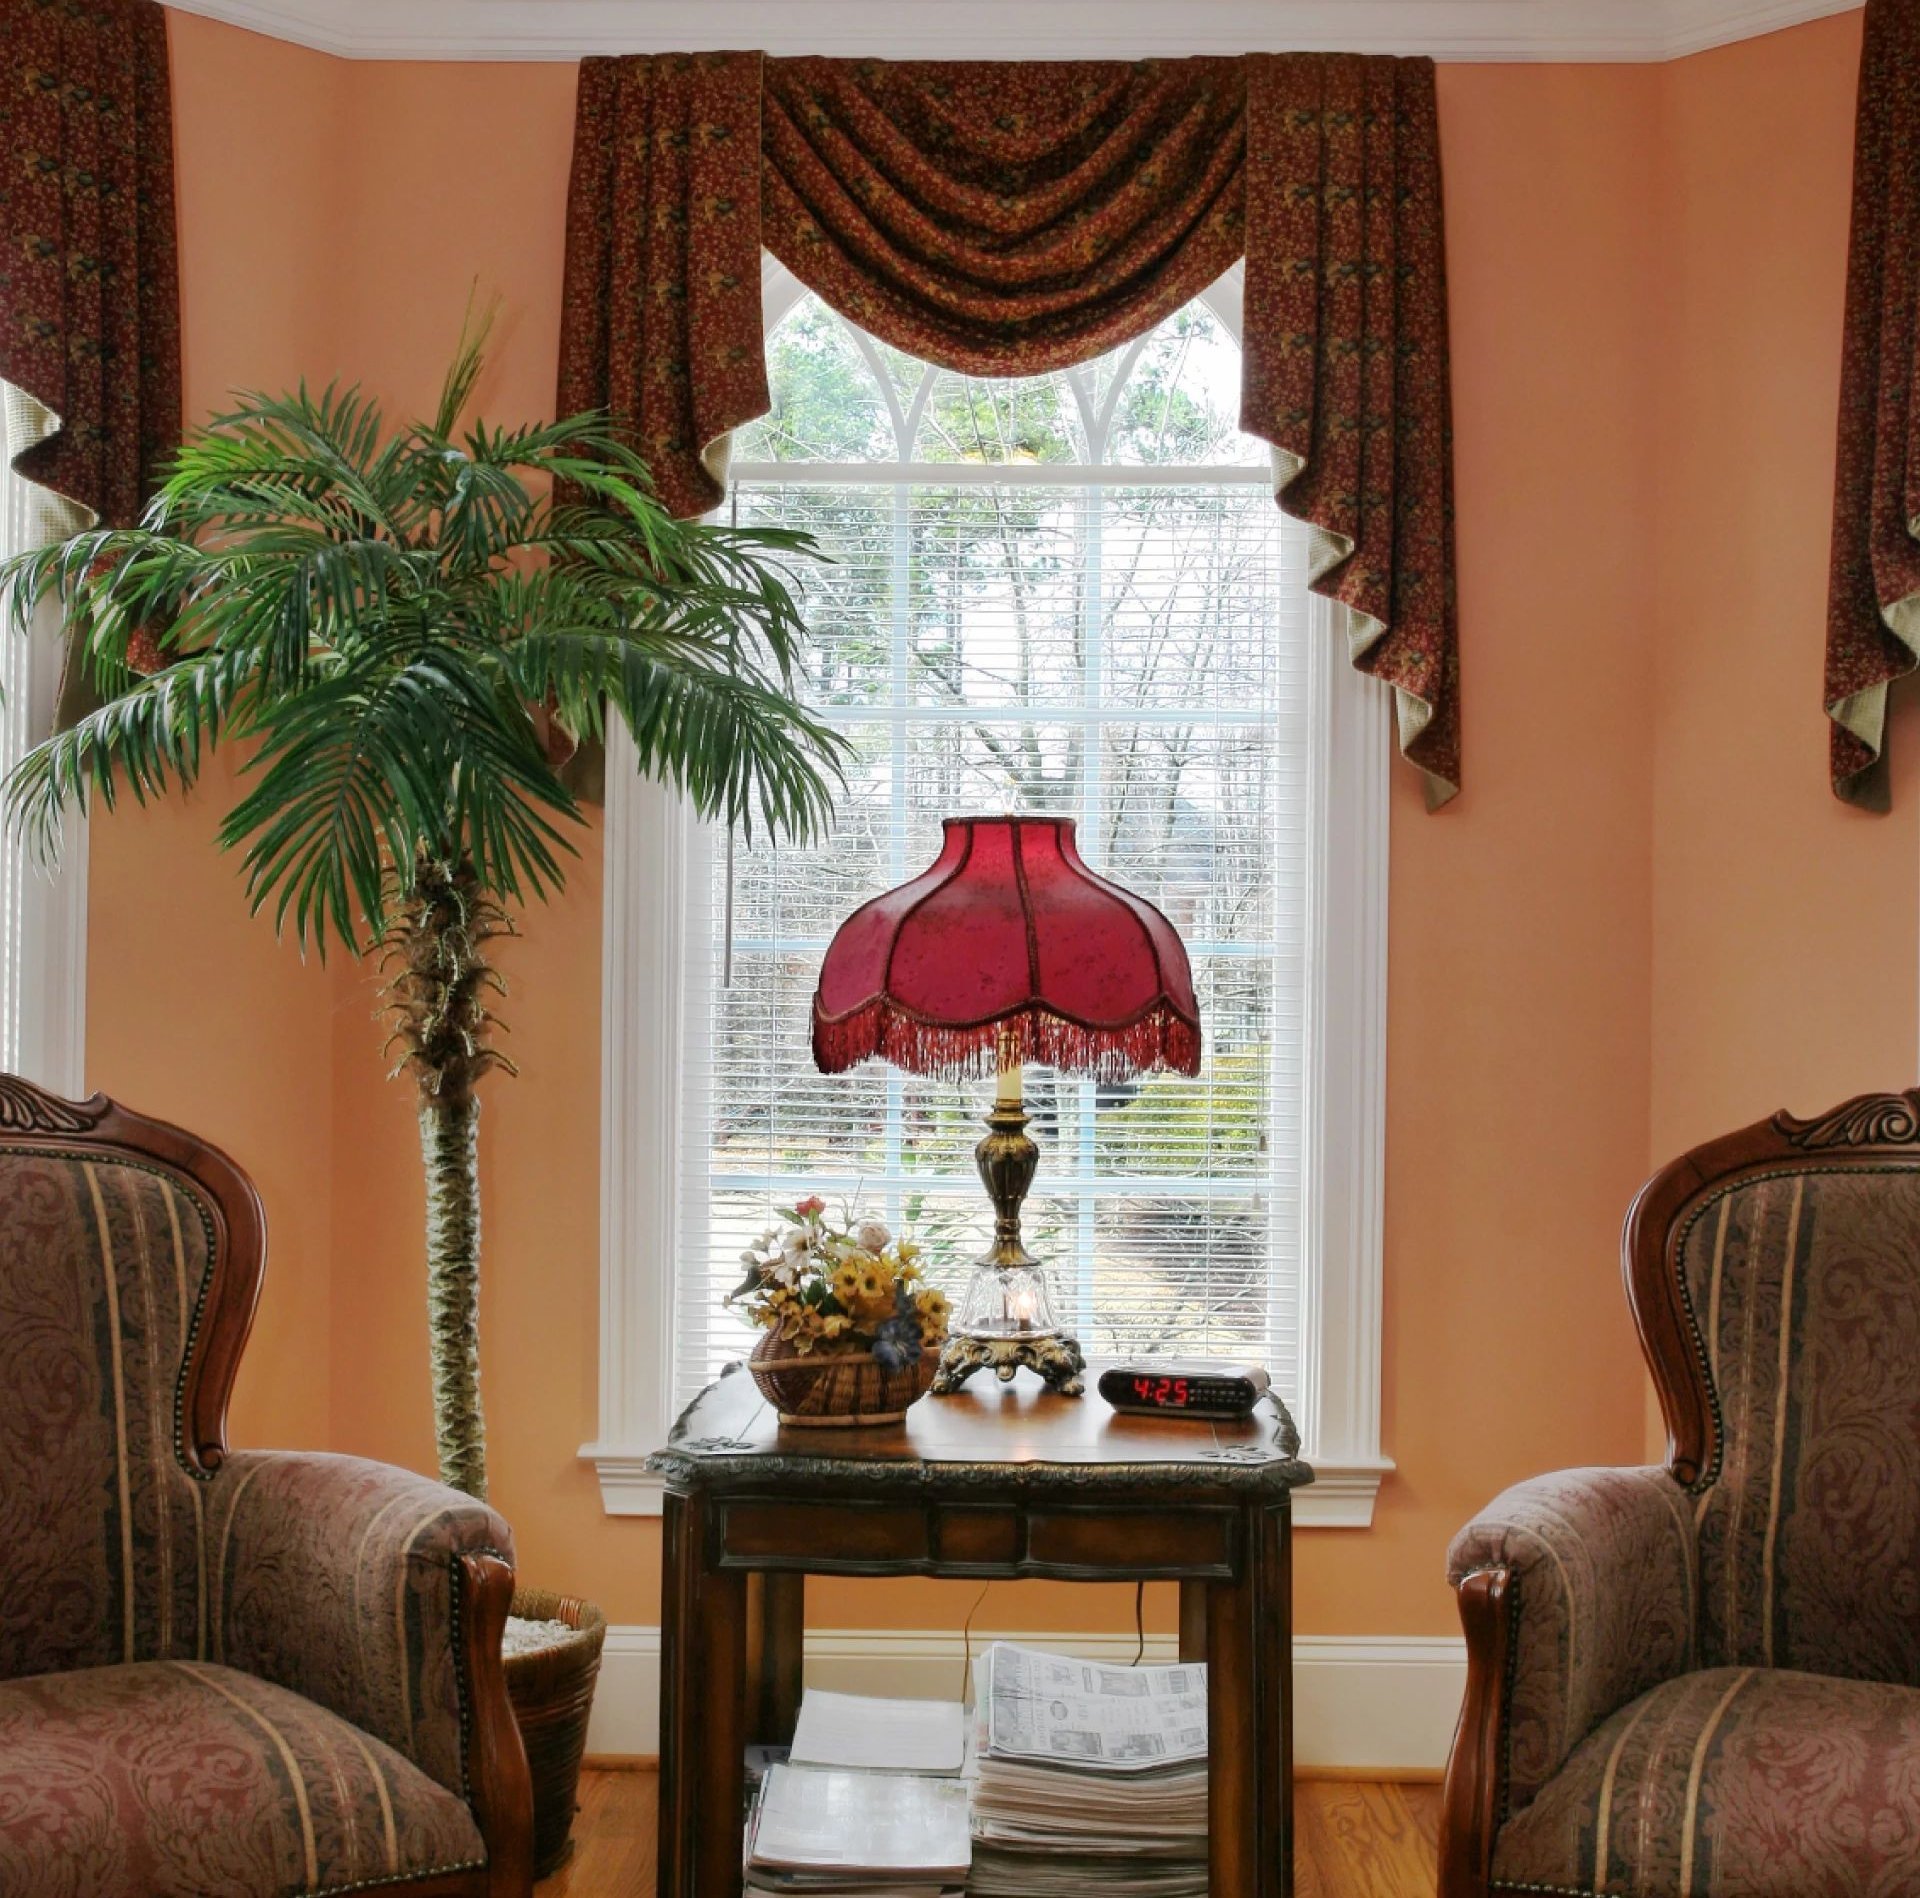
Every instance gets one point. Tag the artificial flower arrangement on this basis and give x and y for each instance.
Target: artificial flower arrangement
(854, 1288)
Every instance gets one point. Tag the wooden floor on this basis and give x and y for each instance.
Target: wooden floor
(1357, 1839)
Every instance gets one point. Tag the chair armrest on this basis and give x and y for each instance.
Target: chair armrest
(1600, 1571)
(346, 1581)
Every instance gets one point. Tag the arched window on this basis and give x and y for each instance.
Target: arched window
(1071, 594)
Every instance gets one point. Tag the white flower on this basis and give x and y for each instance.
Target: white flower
(873, 1236)
(784, 1272)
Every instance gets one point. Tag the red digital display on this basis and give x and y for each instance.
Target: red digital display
(1168, 1393)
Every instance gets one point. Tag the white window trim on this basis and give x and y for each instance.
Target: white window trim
(649, 835)
(52, 949)
(53, 921)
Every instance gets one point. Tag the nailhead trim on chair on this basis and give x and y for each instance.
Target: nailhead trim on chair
(198, 1316)
(454, 1596)
(1711, 1474)
(396, 1878)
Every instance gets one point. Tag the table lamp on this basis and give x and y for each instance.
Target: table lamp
(1008, 949)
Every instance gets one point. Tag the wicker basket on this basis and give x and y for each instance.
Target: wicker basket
(552, 1694)
(843, 1389)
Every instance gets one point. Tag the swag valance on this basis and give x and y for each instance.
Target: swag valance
(89, 291)
(1013, 219)
(1873, 595)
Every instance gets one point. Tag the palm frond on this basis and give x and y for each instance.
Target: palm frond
(385, 614)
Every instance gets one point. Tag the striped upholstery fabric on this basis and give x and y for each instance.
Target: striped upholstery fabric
(330, 1577)
(103, 1264)
(1755, 1782)
(335, 1578)
(179, 1779)
(1603, 1564)
(1806, 1291)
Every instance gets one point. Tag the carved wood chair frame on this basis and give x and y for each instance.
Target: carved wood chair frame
(33, 1120)
(1865, 1134)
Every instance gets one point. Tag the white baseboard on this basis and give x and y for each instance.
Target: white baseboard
(1383, 1703)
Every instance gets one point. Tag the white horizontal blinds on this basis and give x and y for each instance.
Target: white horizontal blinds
(1073, 595)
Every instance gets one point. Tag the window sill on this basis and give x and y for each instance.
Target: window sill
(1339, 1497)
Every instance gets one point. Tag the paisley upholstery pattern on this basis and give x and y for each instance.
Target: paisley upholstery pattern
(103, 1267)
(1805, 1288)
(1716, 1689)
(239, 1681)
(1605, 1569)
(337, 1578)
(1760, 1782)
(185, 1780)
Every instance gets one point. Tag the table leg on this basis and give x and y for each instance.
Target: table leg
(674, 1876)
(1250, 1719)
(780, 1611)
(1193, 1621)
(703, 1723)
(1273, 1695)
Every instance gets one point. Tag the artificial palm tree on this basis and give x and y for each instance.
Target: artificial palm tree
(394, 624)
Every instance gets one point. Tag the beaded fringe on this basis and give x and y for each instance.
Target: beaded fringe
(1161, 1038)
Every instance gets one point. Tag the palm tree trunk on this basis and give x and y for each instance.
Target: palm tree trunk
(450, 1148)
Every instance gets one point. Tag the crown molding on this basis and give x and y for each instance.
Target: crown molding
(1501, 30)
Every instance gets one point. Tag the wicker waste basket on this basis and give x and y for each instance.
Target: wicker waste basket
(552, 1694)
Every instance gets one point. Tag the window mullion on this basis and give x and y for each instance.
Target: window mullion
(900, 606)
(1092, 777)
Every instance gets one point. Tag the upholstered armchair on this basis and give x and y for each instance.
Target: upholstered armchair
(1705, 1678)
(222, 1675)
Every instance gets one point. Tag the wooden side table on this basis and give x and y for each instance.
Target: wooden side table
(993, 1482)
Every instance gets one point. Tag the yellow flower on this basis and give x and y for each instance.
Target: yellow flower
(846, 1284)
(874, 1282)
(834, 1323)
(908, 1251)
(932, 1304)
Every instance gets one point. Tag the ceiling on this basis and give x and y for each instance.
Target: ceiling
(1633, 30)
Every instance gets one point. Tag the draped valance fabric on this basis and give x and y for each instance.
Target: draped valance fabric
(89, 289)
(1873, 599)
(1010, 219)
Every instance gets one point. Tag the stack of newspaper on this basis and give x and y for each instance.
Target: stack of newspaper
(871, 1804)
(1088, 1778)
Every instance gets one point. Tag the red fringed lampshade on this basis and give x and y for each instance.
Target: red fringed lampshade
(1008, 949)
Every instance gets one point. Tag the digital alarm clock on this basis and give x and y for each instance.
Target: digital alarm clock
(1184, 1387)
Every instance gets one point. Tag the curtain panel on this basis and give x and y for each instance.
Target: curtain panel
(89, 287)
(1011, 219)
(1873, 598)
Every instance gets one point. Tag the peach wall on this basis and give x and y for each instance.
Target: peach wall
(1784, 934)
(216, 1025)
(1542, 1049)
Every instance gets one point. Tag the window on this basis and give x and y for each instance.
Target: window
(1070, 594)
(42, 917)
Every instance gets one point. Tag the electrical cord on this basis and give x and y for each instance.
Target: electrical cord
(966, 1641)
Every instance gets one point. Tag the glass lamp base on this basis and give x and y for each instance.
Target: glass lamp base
(1006, 1322)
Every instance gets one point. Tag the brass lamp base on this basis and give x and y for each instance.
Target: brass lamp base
(1055, 1357)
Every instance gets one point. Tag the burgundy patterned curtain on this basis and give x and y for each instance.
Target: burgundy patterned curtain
(1012, 219)
(89, 290)
(1873, 597)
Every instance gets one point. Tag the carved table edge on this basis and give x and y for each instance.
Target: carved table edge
(687, 1468)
